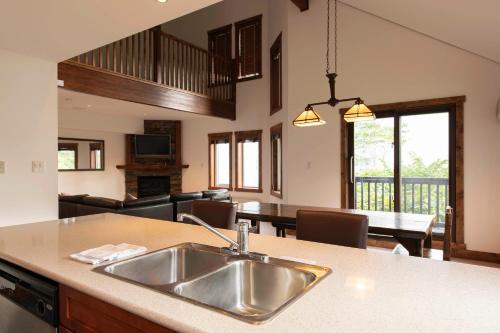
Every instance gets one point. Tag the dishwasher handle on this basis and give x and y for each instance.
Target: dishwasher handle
(7, 282)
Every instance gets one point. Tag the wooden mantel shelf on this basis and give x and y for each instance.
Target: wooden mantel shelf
(151, 167)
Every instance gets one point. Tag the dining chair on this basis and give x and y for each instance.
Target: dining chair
(330, 227)
(216, 213)
(448, 230)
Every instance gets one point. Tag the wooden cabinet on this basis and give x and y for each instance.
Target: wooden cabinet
(80, 313)
(63, 329)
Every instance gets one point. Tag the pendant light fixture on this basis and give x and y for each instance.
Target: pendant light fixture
(358, 112)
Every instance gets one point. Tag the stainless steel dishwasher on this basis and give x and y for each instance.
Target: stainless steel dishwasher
(28, 302)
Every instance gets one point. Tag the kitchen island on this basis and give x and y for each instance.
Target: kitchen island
(366, 292)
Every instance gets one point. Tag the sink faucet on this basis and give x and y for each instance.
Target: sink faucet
(241, 246)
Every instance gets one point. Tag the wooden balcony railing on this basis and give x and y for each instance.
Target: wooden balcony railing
(158, 57)
(419, 195)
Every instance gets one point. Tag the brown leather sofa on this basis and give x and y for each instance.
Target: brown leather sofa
(154, 207)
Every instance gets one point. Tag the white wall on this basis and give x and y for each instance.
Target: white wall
(384, 63)
(28, 132)
(109, 183)
(252, 99)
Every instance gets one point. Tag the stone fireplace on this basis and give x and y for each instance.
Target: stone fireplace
(152, 185)
(135, 178)
(152, 176)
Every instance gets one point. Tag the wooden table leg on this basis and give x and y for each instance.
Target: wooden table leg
(428, 242)
(414, 246)
(256, 224)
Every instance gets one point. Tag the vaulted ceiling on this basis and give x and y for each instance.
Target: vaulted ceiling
(60, 29)
(470, 25)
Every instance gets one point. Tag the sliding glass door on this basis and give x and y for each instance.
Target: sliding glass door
(401, 162)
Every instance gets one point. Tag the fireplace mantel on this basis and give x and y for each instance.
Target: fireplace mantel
(151, 167)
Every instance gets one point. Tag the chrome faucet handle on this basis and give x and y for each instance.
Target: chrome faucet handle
(243, 236)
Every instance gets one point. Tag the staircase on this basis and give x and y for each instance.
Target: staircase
(155, 68)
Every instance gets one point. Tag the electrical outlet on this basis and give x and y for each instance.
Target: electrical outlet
(2, 167)
(37, 166)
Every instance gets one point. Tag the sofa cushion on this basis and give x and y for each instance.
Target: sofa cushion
(78, 198)
(220, 194)
(152, 200)
(186, 196)
(103, 202)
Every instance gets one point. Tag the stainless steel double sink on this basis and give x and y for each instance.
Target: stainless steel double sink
(245, 288)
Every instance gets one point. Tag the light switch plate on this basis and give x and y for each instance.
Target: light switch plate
(2, 167)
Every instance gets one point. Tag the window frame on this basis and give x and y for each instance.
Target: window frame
(227, 136)
(257, 21)
(239, 137)
(276, 103)
(455, 107)
(276, 130)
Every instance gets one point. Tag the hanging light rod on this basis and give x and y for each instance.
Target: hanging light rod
(358, 112)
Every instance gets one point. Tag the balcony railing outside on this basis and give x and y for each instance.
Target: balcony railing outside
(420, 195)
(158, 57)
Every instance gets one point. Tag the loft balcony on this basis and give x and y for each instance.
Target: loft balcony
(155, 68)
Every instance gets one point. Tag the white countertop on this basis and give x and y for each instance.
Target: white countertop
(366, 292)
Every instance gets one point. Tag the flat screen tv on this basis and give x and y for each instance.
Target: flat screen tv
(152, 146)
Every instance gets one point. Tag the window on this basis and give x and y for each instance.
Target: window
(276, 161)
(67, 156)
(275, 75)
(220, 156)
(249, 161)
(249, 48)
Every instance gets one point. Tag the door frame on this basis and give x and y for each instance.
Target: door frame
(455, 107)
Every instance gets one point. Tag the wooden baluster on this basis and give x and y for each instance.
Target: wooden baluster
(178, 64)
(193, 67)
(108, 57)
(437, 201)
(362, 195)
(413, 198)
(102, 57)
(136, 48)
(166, 41)
(162, 54)
(188, 68)
(390, 197)
(122, 55)
(125, 56)
(183, 75)
(428, 198)
(448, 232)
(421, 208)
(383, 196)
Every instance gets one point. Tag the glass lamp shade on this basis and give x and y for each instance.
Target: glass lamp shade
(308, 118)
(358, 112)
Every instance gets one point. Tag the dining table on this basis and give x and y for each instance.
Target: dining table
(410, 230)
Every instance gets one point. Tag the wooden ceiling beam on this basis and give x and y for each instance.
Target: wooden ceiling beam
(302, 4)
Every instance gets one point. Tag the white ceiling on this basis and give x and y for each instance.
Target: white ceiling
(473, 25)
(57, 30)
(69, 101)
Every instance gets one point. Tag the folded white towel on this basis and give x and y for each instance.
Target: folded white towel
(108, 253)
